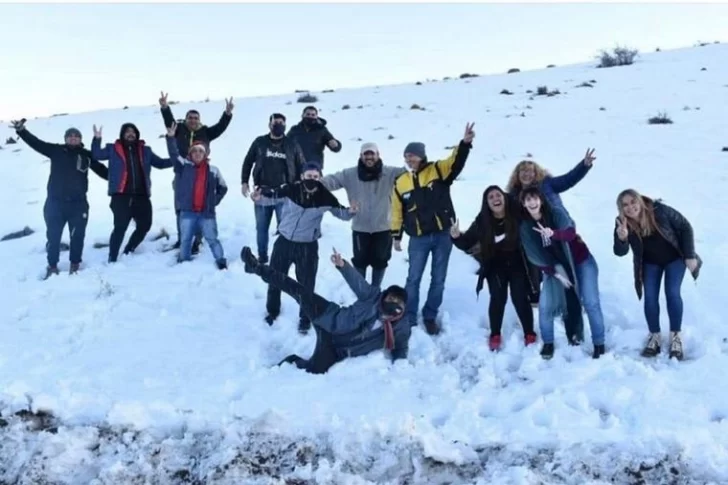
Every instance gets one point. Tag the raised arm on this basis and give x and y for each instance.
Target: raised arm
(564, 182)
(173, 149)
(357, 283)
(167, 115)
(40, 146)
(620, 248)
(219, 128)
(96, 151)
(451, 167)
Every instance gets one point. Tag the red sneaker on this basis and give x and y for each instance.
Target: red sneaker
(530, 339)
(494, 342)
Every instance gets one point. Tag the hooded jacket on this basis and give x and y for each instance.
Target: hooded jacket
(68, 180)
(313, 139)
(117, 155)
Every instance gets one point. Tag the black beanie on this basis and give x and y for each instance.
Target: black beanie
(397, 292)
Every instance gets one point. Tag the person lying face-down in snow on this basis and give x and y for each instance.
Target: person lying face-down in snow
(373, 322)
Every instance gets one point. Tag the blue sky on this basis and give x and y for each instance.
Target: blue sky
(84, 57)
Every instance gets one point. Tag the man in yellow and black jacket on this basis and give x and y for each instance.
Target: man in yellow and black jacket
(422, 208)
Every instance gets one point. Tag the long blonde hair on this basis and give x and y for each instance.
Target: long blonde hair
(645, 224)
(515, 183)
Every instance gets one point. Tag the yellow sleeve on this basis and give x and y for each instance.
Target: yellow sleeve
(446, 165)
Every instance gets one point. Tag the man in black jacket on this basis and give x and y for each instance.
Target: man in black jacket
(274, 160)
(189, 131)
(313, 136)
(66, 201)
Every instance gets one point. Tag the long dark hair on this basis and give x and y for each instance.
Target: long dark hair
(487, 221)
(545, 207)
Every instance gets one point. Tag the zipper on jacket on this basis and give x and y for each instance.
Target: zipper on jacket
(133, 170)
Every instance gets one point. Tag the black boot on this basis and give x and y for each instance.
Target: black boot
(304, 325)
(431, 327)
(547, 351)
(221, 264)
(196, 246)
(598, 351)
(252, 265)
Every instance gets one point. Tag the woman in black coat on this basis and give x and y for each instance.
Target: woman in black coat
(493, 240)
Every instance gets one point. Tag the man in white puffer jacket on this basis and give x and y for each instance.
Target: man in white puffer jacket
(369, 183)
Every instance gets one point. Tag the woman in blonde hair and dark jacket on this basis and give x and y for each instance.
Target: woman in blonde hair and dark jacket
(662, 242)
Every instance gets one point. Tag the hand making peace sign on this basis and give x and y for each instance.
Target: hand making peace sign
(454, 228)
(546, 232)
(163, 99)
(622, 228)
(229, 105)
(469, 133)
(589, 157)
(171, 130)
(97, 131)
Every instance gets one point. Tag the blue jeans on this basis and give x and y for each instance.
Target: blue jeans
(587, 275)
(190, 223)
(652, 277)
(419, 249)
(57, 214)
(263, 217)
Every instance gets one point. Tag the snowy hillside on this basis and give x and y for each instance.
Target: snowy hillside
(167, 372)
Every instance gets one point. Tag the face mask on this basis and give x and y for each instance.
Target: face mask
(278, 129)
(310, 184)
(392, 309)
(310, 121)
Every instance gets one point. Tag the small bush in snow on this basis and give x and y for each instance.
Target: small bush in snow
(704, 69)
(725, 149)
(11, 141)
(307, 98)
(346, 106)
(505, 91)
(418, 83)
(602, 109)
(328, 90)
(585, 85)
(542, 90)
(466, 75)
(390, 137)
(620, 56)
(660, 119)
(550, 66)
(417, 106)
(513, 70)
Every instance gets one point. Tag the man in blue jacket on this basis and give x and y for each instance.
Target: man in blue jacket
(130, 186)
(369, 324)
(66, 202)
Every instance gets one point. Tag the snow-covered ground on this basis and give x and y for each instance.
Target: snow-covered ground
(157, 373)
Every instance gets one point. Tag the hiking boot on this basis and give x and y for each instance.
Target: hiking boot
(431, 326)
(252, 265)
(221, 264)
(74, 268)
(176, 245)
(51, 270)
(676, 348)
(652, 349)
(263, 258)
(270, 318)
(304, 325)
(494, 343)
(598, 351)
(529, 339)
(547, 351)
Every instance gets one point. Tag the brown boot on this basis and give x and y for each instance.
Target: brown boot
(431, 327)
(74, 268)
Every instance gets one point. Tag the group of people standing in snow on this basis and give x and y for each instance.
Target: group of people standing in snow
(524, 239)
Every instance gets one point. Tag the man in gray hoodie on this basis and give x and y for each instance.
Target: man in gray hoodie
(305, 203)
(371, 323)
(370, 183)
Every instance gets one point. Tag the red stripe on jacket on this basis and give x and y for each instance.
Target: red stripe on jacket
(200, 187)
(119, 149)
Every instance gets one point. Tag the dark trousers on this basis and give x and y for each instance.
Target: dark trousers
(57, 213)
(536, 278)
(372, 249)
(198, 233)
(286, 253)
(500, 278)
(263, 218)
(127, 208)
(313, 306)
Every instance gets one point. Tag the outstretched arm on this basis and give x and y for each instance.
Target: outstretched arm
(40, 146)
(334, 181)
(356, 282)
(564, 182)
(100, 169)
(159, 162)
(285, 190)
(219, 128)
(173, 149)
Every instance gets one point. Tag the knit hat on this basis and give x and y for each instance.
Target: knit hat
(369, 147)
(416, 148)
(72, 132)
(396, 291)
(200, 145)
(311, 166)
